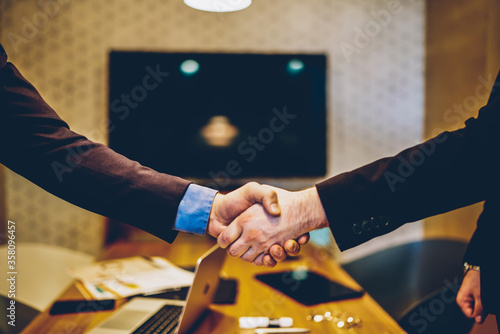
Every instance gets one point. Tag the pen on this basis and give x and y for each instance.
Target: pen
(281, 330)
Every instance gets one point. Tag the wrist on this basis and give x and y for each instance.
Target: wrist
(213, 224)
(468, 267)
(312, 208)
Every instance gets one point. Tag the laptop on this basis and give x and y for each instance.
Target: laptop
(154, 315)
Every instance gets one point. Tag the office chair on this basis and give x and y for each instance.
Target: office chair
(409, 278)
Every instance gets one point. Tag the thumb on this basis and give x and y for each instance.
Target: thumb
(478, 310)
(256, 193)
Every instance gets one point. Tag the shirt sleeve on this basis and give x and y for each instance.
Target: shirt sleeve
(194, 210)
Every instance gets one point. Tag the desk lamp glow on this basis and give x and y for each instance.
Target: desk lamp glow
(218, 5)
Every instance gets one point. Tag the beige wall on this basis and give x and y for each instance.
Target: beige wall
(463, 49)
(375, 93)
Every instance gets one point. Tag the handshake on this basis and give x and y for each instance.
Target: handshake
(262, 224)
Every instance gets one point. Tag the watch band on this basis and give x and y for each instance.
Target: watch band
(468, 267)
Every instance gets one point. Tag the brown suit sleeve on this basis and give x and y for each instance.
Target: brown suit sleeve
(452, 170)
(37, 144)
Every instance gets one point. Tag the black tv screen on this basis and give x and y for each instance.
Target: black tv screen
(220, 116)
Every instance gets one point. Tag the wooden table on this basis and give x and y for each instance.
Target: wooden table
(253, 299)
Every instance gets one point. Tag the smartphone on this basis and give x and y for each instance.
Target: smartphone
(308, 287)
(79, 306)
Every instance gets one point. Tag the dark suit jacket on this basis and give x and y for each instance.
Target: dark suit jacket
(452, 170)
(37, 144)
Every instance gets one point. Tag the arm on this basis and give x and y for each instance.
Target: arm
(479, 293)
(37, 144)
(452, 170)
(469, 296)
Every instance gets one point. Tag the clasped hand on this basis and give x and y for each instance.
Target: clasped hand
(263, 224)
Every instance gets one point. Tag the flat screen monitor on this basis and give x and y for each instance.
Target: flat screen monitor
(220, 118)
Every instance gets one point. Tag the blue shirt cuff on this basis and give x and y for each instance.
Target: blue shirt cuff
(194, 209)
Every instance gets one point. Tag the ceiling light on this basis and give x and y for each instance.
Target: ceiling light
(218, 5)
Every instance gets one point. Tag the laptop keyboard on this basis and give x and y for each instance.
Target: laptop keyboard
(162, 322)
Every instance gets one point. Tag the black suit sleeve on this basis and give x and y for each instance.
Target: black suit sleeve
(452, 170)
(483, 250)
(37, 144)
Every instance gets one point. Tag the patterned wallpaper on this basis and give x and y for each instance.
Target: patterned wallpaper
(376, 65)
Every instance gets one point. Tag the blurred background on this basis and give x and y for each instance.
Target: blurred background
(393, 71)
(366, 79)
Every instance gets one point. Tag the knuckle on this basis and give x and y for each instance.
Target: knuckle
(252, 184)
(232, 251)
(254, 236)
(271, 192)
(245, 258)
(258, 262)
(225, 239)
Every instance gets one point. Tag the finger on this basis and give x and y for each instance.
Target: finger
(250, 255)
(292, 247)
(277, 252)
(238, 248)
(256, 193)
(478, 310)
(259, 261)
(269, 261)
(230, 234)
(303, 239)
(467, 309)
(465, 302)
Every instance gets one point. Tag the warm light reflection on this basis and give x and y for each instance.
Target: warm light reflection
(318, 318)
(219, 131)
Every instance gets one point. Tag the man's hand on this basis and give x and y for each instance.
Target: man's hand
(279, 254)
(469, 297)
(225, 208)
(253, 233)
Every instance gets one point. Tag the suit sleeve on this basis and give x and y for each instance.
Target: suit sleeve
(37, 144)
(483, 250)
(452, 170)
